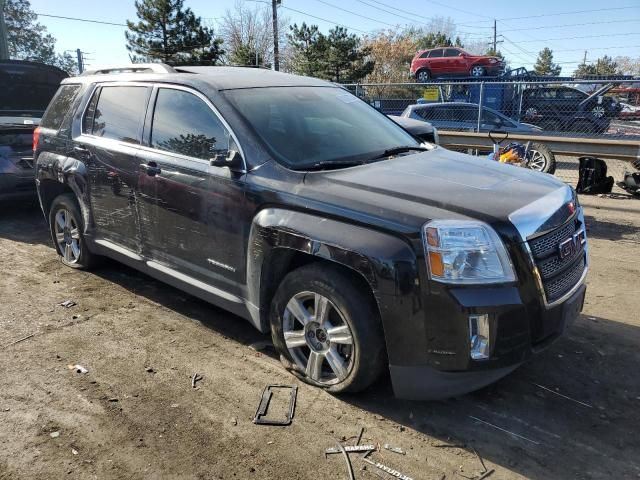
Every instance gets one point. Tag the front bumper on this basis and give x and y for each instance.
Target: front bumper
(450, 371)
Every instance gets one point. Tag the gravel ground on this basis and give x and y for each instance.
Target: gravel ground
(572, 412)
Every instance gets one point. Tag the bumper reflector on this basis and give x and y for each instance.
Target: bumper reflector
(479, 337)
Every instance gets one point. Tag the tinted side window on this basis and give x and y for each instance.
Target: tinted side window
(436, 53)
(462, 113)
(118, 113)
(451, 52)
(425, 54)
(184, 124)
(59, 107)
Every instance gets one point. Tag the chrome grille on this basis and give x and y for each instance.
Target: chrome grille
(556, 288)
(559, 275)
(547, 244)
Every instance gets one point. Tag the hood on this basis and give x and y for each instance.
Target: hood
(438, 184)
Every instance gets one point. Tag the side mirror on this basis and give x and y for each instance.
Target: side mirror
(461, 54)
(231, 159)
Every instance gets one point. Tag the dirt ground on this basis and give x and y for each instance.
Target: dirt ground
(572, 412)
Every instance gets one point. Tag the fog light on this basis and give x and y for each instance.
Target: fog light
(479, 337)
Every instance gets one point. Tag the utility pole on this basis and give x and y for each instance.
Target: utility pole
(584, 60)
(495, 36)
(4, 42)
(80, 60)
(274, 16)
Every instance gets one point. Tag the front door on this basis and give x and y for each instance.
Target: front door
(108, 146)
(189, 209)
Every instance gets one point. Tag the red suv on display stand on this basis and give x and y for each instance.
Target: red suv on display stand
(448, 61)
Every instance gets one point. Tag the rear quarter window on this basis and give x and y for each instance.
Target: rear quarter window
(60, 106)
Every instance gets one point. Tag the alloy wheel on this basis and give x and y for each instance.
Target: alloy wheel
(67, 236)
(477, 71)
(318, 338)
(598, 111)
(537, 161)
(423, 76)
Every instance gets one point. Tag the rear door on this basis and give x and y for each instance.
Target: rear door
(454, 62)
(191, 211)
(111, 137)
(437, 64)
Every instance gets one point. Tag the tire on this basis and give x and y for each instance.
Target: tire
(477, 71)
(423, 75)
(543, 158)
(350, 315)
(66, 227)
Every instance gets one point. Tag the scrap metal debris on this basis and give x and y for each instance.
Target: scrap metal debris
(484, 467)
(360, 436)
(347, 459)
(195, 379)
(389, 470)
(78, 368)
(351, 449)
(486, 474)
(67, 304)
(386, 446)
(563, 396)
(19, 340)
(263, 407)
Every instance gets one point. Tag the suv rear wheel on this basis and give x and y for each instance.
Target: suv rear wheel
(65, 223)
(423, 75)
(327, 330)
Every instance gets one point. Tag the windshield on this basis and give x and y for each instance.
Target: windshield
(310, 126)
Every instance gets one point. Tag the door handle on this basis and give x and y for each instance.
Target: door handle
(151, 168)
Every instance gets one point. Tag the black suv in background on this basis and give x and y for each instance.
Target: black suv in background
(297, 206)
(26, 88)
(566, 109)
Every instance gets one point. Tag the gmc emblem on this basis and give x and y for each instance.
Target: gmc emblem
(572, 245)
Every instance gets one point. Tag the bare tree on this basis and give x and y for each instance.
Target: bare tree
(248, 35)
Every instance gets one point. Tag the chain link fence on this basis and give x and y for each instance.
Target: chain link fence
(582, 109)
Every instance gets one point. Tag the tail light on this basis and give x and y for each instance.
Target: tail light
(36, 138)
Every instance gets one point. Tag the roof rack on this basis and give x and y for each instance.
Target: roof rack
(132, 68)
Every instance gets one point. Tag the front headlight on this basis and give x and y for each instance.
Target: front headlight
(466, 252)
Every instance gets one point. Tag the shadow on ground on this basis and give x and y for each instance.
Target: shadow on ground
(572, 412)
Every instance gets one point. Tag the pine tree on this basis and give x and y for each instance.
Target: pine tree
(544, 64)
(29, 40)
(167, 32)
(433, 40)
(309, 48)
(603, 66)
(346, 60)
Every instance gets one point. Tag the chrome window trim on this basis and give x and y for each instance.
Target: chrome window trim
(140, 146)
(215, 112)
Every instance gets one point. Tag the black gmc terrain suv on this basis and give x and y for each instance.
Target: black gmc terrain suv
(292, 203)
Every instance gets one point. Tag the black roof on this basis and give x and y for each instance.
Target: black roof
(220, 78)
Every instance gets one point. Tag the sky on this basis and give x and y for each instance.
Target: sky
(569, 28)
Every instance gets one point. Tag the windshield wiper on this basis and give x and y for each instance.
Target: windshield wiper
(396, 150)
(330, 164)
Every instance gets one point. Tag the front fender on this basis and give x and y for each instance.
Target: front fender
(386, 262)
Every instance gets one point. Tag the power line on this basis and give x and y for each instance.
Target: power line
(357, 14)
(323, 19)
(585, 36)
(81, 19)
(572, 25)
(569, 13)
(413, 20)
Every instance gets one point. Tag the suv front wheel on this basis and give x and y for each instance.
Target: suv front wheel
(327, 329)
(65, 223)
